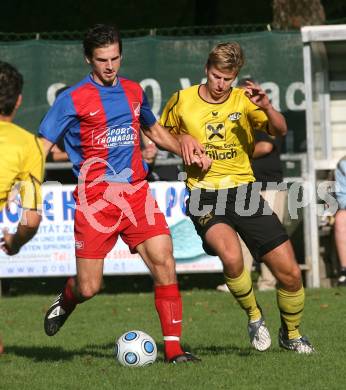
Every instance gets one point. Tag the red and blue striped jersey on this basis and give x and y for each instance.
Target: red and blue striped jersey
(101, 125)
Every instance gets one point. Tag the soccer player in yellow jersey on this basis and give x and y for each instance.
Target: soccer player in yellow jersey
(21, 163)
(226, 200)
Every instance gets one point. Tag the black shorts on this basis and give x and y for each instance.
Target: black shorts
(244, 209)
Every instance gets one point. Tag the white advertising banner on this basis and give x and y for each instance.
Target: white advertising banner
(51, 251)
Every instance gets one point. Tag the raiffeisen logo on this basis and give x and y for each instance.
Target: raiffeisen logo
(228, 155)
(115, 136)
(215, 131)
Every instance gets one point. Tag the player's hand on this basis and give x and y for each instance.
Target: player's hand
(7, 243)
(256, 95)
(149, 152)
(191, 150)
(204, 162)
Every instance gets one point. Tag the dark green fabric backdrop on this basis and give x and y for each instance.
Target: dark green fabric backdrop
(164, 65)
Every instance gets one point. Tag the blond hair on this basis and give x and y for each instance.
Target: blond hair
(226, 56)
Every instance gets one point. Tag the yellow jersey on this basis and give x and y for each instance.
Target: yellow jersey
(21, 164)
(225, 129)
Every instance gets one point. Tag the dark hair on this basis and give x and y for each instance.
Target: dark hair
(100, 35)
(11, 85)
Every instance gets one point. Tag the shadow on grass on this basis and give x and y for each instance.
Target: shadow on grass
(229, 349)
(111, 284)
(52, 354)
(40, 354)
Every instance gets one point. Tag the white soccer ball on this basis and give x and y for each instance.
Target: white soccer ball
(135, 348)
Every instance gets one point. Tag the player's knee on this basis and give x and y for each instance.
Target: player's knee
(292, 280)
(231, 259)
(163, 270)
(297, 274)
(88, 290)
(164, 266)
(164, 257)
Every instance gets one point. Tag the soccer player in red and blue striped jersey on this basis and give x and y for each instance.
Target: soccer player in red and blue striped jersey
(100, 119)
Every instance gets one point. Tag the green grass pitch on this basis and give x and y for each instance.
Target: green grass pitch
(81, 356)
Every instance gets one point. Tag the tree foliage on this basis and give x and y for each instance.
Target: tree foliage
(293, 14)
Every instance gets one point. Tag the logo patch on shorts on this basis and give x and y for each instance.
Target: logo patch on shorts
(204, 219)
(79, 244)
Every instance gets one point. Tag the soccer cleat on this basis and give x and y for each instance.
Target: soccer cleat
(259, 335)
(222, 288)
(299, 345)
(184, 358)
(342, 280)
(55, 317)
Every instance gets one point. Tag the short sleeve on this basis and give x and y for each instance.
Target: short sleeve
(147, 118)
(169, 117)
(258, 119)
(32, 175)
(59, 118)
(261, 136)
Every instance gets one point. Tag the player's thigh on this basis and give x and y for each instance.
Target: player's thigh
(157, 253)
(260, 232)
(157, 249)
(89, 275)
(282, 262)
(247, 255)
(224, 241)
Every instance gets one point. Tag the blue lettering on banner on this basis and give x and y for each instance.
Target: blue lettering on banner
(48, 207)
(183, 197)
(13, 217)
(31, 270)
(171, 200)
(68, 205)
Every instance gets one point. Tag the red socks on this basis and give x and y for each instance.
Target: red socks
(169, 307)
(70, 299)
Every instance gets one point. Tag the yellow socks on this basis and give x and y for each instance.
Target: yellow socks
(242, 290)
(291, 306)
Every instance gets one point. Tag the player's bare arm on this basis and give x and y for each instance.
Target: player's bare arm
(47, 145)
(262, 148)
(191, 155)
(190, 147)
(277, 122)
(27, 228)
(149, 150)
(192, 150)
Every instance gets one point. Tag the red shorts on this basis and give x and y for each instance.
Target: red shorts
(106, 210)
